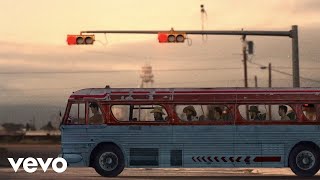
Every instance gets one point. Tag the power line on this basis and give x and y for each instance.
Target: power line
(285, 73)
(117, 71)
(135, 70)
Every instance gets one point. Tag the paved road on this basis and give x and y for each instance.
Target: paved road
(45, 151)
(141, 173)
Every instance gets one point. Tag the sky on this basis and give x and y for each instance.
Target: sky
(38, 70)
(48, 22)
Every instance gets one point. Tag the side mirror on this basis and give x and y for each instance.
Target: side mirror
(60, 116)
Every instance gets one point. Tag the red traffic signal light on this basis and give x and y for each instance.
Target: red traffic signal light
(171, 37)
(80, 39)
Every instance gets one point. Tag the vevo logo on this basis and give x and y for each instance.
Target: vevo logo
(30, 164)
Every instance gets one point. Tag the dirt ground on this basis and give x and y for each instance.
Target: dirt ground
(27, 150)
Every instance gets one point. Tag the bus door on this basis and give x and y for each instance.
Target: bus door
(74, 129)
(206, 133)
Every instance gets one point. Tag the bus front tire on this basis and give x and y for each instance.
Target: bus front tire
(109, 161)
(304, 160)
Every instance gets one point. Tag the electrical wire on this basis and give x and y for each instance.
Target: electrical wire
(285, 73)
(103, 43)
(189, 41)
(119, 71)
(135, 70)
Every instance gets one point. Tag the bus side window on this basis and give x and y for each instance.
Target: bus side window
(134, 113)
(77, 114)
(282, 112)
(309, 111)
(217, 113)
(270, 112)
(253, 112)
(95, 115)
(204, 112)
(121, 112)
(155, 113)
(189, 112)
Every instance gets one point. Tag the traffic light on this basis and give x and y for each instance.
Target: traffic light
(80, 39)
(171, 37)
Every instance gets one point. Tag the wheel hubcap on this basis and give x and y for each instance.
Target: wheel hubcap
(108, 161)
(305, 160)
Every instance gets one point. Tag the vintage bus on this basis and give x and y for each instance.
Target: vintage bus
(112, 128)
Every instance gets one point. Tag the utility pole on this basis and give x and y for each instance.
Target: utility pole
(270, 76)
(255, 81)
(270, 85)
(245, 57)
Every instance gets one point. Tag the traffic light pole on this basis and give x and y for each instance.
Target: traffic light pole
(295, 56)
(293, 34)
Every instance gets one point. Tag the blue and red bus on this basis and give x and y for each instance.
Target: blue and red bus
(110, 129)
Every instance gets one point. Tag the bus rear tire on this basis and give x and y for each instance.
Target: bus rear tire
(108, 161)
(304, 160)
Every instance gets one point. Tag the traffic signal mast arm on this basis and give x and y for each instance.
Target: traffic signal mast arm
(172, 36)
(252, 33)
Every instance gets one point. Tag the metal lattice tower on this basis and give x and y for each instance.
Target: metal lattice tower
(146, 76)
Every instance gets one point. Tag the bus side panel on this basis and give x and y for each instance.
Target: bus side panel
(142, 145)
(278, 137)
(247, 146)
(206, 145)
(190, 146)
(274, 141)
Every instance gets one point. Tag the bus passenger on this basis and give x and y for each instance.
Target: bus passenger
(191, 114)
(291, 115)
(310, 112)
(210, 115)
(254, 113)
(97, 117)
(283, 113)
(226, 115)
(157, 114)
(217, 113)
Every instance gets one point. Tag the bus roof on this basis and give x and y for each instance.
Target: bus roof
(169, 93)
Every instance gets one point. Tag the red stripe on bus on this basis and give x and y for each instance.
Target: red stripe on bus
(249, 91)
(128, 92)
(88, 96)
(267, 159)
